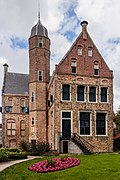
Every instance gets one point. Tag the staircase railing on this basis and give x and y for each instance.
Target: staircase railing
(85, 145)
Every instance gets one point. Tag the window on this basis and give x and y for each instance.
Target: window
(10, 127)
(80, 93)
(84, 123)
(101, 124)
(66, 124)
(33, 97)
(96, 69)
(22, 128)
(22, 104)
(10, 102)
(66, 92)
(92, 94)
(51, 98)
(9, 107)
(79, 51)
(40, 75)
(48, 103)
(73, 66)
(90, 52)
(33, 121)
(40, 43)
(104, 91)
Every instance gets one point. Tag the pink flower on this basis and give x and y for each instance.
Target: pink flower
(55, 165)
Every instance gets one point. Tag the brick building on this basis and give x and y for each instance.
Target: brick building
(72, 110)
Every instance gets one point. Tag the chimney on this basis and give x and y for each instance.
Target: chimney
(84, 29)
(5, 68)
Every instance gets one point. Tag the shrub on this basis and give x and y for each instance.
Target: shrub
(3, 156)
(25, 146)
(42, 147)
(18, 155)
(11, 154)
(38, 148)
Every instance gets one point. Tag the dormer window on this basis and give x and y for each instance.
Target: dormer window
(79, 51)
(8, 108)
(10, 102)
(40, 75)
(96, 68)
(40, 43)
(73, 66)
(22, 103)
(90, 52)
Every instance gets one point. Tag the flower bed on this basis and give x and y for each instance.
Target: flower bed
(54, 165)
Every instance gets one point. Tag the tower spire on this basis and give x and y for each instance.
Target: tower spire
(38, 10)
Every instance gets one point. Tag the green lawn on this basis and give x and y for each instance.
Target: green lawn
(92, 167)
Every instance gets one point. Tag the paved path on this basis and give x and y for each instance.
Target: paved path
(4, 165)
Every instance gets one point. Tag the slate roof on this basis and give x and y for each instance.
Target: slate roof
(16, 83)
(39, 30)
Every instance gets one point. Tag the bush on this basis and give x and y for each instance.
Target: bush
(11, 154)
(3, 156)
(19, 155)
(34, 148)
(116, 144)
(42, 147)
(25, 146)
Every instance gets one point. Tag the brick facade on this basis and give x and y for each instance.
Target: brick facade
(50, 115)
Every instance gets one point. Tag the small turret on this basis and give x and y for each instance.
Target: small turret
(39, 29)
(84, 29)
(5, 68)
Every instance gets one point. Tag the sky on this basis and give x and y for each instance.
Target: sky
(62, 19)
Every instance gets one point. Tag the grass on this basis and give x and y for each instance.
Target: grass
(92, 167)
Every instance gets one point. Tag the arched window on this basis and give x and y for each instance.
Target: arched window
(79, 50)
(22, 128)
(73, 65)
(10, 102)
(96, 68)
(10, 127)
(90, 51)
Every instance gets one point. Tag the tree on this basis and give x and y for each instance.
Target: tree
(117, 119)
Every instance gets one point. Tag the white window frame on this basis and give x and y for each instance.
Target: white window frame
(90, 52)
(79, 51)
(62, 92)
(96, 94)
(85, 89)
(70, 119)
(96, 66)
(106, 123)
(107, 94)
(90, 123)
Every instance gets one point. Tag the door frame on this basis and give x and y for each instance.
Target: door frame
(67, 145)
(70, 120)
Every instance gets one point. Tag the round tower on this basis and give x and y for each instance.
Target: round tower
(39, 72)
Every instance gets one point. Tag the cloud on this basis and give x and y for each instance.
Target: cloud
(17, 43)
